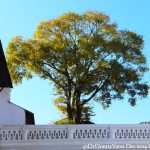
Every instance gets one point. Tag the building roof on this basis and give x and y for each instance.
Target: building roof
(5, 79)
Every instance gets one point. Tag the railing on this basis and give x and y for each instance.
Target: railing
(75, 132)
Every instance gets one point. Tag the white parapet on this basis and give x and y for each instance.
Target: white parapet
(75, 137)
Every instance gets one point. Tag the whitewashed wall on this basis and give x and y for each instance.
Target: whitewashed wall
(75, 137)
(10, 114)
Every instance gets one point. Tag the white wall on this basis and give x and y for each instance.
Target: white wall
(75, 137)
(10, 114)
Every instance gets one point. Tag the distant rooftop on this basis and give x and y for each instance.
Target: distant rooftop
(5, 79)
(145, 122)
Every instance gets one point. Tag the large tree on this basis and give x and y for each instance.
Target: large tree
(86, 57)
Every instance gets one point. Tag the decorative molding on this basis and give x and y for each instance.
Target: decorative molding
(65, 135)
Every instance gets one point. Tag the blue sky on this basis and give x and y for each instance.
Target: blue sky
(18, 17)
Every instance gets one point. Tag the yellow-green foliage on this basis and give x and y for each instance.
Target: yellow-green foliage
(86, 57)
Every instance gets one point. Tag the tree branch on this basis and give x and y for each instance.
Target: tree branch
(95, 92)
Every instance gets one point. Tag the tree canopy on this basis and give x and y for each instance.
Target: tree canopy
(86, 57)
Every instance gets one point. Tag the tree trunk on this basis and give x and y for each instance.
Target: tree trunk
(78, 114)
(69, 113)
(78, 108)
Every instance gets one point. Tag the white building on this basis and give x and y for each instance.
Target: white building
(10, 114)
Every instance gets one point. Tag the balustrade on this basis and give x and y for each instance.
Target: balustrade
(54, 132)
(52, 135)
